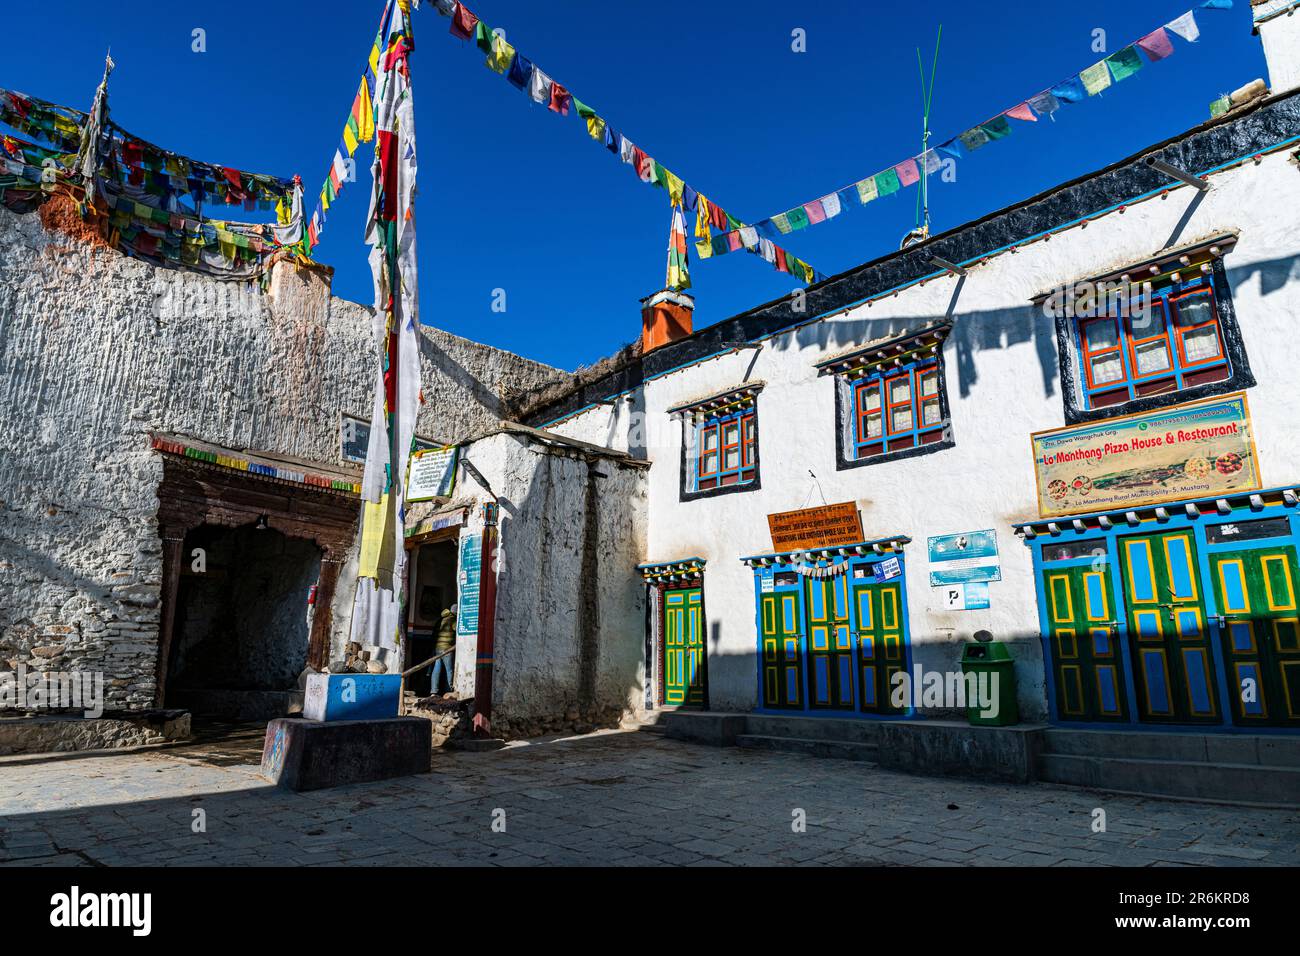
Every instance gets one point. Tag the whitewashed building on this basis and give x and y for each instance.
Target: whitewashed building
(1137, 585)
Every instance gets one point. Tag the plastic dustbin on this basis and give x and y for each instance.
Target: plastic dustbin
(991, 658)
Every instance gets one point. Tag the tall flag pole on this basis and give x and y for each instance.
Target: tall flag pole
(390, 232)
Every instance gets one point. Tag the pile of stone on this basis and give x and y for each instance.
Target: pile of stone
(450, 717)
(367, 659)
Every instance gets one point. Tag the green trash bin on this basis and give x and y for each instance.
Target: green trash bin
(992, 658)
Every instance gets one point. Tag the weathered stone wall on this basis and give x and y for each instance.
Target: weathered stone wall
(96, 350)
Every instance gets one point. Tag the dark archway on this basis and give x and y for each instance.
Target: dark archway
(202, 496)
(241, 632)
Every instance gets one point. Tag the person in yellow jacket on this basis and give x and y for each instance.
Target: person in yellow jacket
(446, 641)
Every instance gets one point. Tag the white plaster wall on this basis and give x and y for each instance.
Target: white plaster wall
(541, 602)
(96, 350)
(1281, 39)
(1003, 383)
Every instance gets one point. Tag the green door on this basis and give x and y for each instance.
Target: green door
(879, 621)
(683, 648)
(1173, 666)
(1255, 591)
(1086, 669)
(782, 650)
(830, 645)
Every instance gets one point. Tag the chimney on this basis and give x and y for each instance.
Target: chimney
(665, 318)
(1277, 22)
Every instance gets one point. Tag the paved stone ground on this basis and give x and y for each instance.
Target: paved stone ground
(626, 799)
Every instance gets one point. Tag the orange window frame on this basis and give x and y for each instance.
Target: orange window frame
(1180, 330)
(1134, 341)
(910, 402)
(705, 451)
(1090, 353)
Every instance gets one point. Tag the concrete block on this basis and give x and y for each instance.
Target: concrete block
(312, 755)
(352, 696)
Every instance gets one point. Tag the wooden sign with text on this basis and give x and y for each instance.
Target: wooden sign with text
(823, 527)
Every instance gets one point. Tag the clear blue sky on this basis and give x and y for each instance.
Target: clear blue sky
(515, 197)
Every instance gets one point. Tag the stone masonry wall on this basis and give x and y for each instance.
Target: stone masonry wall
(96, 350)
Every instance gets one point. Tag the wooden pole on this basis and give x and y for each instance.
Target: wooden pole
(487, 612)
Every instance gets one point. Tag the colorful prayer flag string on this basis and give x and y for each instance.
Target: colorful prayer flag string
(528, 78)
(1074, 89)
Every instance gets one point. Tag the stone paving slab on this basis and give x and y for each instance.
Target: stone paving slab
(624, 799)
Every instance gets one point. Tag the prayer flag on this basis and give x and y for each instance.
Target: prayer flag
(521, 71)
(1185, 26)
(560, 99)
(1095, 78)
(867, 190)
(1022, 112)
(1156, 45)
(1070, 91)
(815, 211)
(462, 25)
(997, 128)
(1124, 63)
(907, 172)
(1044, 103)
(539, 88)
(887, 182)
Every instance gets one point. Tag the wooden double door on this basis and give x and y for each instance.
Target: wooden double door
(1170, 639)
(832, 644)
(1255, 592)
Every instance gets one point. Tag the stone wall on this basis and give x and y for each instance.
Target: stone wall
(96, 351)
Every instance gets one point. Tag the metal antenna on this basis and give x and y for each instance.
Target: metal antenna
(927, 98)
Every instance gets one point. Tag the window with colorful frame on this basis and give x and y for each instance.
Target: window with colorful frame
(891, 397)
(898, 410)
(720, 444)
(1163, 333)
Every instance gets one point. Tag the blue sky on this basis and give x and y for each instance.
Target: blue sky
(517, 198)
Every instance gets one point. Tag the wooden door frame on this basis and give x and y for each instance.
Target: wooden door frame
(195, 493)
(656, 610)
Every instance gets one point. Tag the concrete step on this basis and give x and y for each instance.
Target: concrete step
(1266, 750)
(811, 747)
(1193, 779)
(848, 730)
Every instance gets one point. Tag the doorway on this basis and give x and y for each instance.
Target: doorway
(432, 591)
(240, 638)
(683, 647)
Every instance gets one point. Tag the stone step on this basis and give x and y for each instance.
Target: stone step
(1192, 747)
(1251, 783)
(839, 749)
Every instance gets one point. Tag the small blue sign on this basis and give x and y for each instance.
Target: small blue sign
(970, 556)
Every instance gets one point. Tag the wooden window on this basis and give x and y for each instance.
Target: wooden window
(1171, 342)
(726, 454)
(898, 409)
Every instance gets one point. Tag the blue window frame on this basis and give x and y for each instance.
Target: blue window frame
(898, 409)
(1126, 355)
(725, 450)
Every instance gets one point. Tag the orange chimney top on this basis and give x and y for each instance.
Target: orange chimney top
(665, 317)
